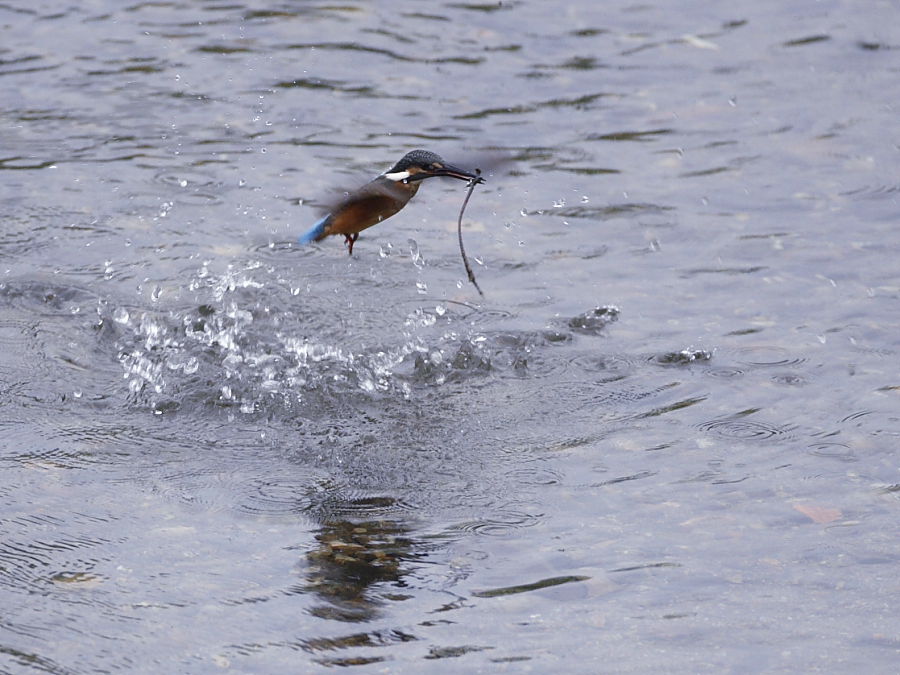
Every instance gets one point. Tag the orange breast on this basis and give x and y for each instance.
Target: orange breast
(377, 201)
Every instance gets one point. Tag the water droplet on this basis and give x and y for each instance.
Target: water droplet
(584, 199)
(422, 287)
(121, 315)
(77, 393)
(183, 183)
(559, 203)
(414, 253)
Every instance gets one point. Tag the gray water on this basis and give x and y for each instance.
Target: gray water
(664, 441)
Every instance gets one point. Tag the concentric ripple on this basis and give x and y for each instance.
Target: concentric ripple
(764, 356)
(500, 523)
(741, 428)
(279, 496)
(724, 372)
(837, 451)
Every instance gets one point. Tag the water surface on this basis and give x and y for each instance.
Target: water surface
(665, 440)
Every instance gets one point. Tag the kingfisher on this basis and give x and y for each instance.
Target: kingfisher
(382, 197)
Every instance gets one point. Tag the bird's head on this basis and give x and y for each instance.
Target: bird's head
(421, 164)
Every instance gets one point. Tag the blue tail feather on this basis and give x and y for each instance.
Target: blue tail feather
(316, 232)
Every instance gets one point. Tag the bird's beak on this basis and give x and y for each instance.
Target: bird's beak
(447, 170)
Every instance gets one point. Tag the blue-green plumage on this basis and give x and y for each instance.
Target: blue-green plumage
(316, 232)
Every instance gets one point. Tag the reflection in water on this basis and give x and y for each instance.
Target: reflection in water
(350, 560)
(353, 569)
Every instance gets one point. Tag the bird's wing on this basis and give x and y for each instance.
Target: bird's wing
(377, 192)
(489, 162)
(369, 205)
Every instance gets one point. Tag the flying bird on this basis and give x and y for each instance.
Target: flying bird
(382, 197)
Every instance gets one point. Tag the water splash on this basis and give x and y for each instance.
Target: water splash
(247, 343)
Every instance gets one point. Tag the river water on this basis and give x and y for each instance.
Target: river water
(664, 441)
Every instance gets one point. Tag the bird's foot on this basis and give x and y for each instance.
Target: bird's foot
(349, 240)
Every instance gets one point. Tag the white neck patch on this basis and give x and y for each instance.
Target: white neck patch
(397, 175)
